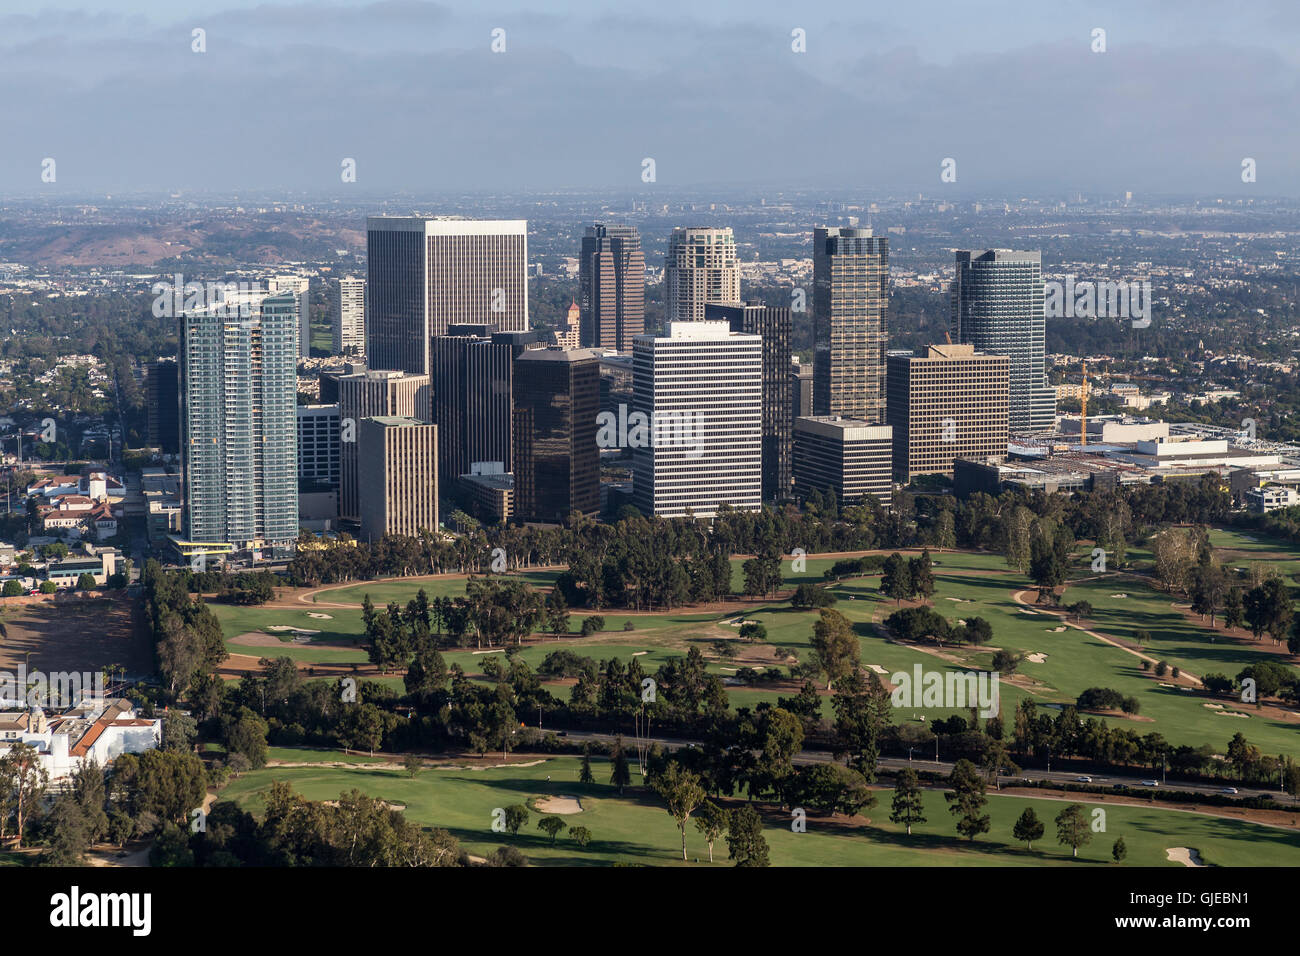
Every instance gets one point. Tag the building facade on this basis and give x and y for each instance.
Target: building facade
(701, 267)
(611, 280)
(425, 275)
(697, 441)
(239, 441)
(163, 412)
(850, 323)
(300, 286)
(318, 447)
(852, 458)
(399, 476)
(556, 459)
(372, 394)
(773, 326)
(997, 307)
(349, 307)
(946, 403)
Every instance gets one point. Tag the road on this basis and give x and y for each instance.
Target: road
(945, 767)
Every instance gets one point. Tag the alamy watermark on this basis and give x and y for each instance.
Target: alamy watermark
(1104, 299)
(56, 690)
(949, 690)
(225, 299)
(660, 429)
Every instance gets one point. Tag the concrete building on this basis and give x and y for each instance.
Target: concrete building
(349, 308)
(773, 326)
(801, 391)
(425, 275)
(399, 476)
(556, 459)
(850, 323)
(946, 403)
(697, 435)
(369, 393)
(700, 267)
(611, 282)
(95, 730)
(239, 442)
(300, 286)
(489, 493)
(852, 457)
(997, 307)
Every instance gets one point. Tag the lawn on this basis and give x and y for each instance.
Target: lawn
(635, 828)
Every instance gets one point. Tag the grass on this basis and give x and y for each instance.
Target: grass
(635, 828)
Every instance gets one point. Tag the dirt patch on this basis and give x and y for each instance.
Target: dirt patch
(561, 804)
(256, 639)
(84, 635)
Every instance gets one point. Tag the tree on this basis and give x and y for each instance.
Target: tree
(1233, 609)
(1268, 609)
(835, 645)
(907, 808)
(584, 775)
(745, 842)
(580, 835)
(1028, 828)
(12, 589)
(921, 572)
(557, 613)
(1072, 828)
(516, 817)
(1118, 850)
(22, 783)
(620, 776)
(412, 764)
(552, 826)
(967, 800)
(711, 821)
(68, 834)
(681, 792)
(896, 578)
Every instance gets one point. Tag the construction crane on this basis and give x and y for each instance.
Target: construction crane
(1083, 409)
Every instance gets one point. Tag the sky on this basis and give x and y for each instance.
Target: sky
(1014, 93)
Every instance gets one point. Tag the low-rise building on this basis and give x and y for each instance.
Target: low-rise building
(96, 730)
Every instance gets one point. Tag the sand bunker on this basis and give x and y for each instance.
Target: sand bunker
(1025, 610)
(1057, 630)
(1184, 855)
(1213, 706)
(1231, 713)
(1036, 658)
(560, 804)
(280, 628)
(320, 617)
(877, 668)
(496, 650)
(1119, 595)
(390, 806)
(639, 653)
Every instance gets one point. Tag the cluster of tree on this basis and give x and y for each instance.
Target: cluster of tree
(923, 624)
(1104, 698)
(187, 637)
(905, 578)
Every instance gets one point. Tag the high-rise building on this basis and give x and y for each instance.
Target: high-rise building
(997, 306)
(697, 441)
(372, 393)
(853, 458)
(567, 334)
(801, 390)
(427, 274)
(556, 459)
(946, 403)
(318, 447)
(161, 387)
(239, 443)
(773, 325)
(611, 280)
(472, 404)
(399, 476)
(300, 286)
(349, 316)
(850, 322)
(700, 267)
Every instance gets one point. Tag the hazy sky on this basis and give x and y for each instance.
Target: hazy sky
(112, 91)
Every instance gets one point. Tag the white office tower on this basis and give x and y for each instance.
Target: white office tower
(696, 423)
(700, 268)
(300, 286)
(349, 317)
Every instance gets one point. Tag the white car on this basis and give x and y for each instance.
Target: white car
(1083, 779)
(1228, 790)
(1150, 783)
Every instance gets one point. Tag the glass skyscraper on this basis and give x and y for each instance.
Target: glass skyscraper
(997, 306)
(850, 322)
(239, 442)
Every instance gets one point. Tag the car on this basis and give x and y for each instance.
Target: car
(1229, 790)
(1117, 786)
(1083, 779)
(1150, 783)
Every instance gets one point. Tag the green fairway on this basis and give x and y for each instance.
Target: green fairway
(635, 828)
(402, 591)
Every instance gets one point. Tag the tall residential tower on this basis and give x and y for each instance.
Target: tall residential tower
(850, 328)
